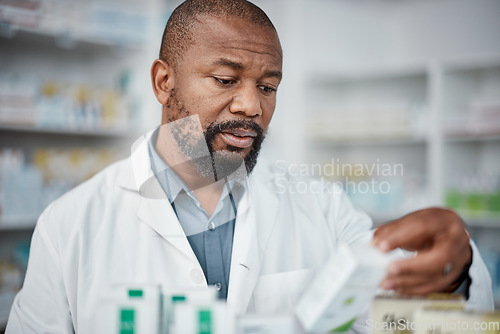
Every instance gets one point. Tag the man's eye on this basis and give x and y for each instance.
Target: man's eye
(267, 89)
(224, 81)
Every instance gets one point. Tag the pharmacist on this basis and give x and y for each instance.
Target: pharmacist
(181, 211)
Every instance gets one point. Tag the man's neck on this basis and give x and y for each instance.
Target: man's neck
(206, 189)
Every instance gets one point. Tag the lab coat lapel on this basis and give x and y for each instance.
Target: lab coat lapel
(252, 230)
(154, 207)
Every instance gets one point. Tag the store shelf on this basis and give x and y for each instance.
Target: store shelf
(397, 141)
(482, 221)
(6, 300)
(466, 63)
(367, 73)
(472, 138)
(70, 132)
(63, 40)
(18, 224)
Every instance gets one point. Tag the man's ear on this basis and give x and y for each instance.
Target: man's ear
(162, 78)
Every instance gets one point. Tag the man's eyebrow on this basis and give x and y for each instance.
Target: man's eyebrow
(226, 62)
(275, 74)
(239, 66)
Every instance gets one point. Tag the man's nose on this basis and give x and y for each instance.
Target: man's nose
(246, 100)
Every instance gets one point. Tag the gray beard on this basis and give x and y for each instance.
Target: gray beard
(215, 165)
(197, 146)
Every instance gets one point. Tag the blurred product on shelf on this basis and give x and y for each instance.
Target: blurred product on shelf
(482, 118)
(148, 308)
(11, 278)
(59, 105)
(12, 271)
(390, 313)
(342, 289)
(20, 187)
(129, 309)
(431, 320)
(380, 122)
(170, 299)
(27, 188)
(204, 318)
(475, 195)
(24, 13)
(265, 324)
(379, 188)
(73, 21)
(491, 258)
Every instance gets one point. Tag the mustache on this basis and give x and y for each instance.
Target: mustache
(214, 128)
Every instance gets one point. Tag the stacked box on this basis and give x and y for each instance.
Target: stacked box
(439, 320)
(392, 314)
(342, 289)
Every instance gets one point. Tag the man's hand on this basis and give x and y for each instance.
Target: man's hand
(443, 251)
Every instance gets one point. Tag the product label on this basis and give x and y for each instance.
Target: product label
(127, 321)
(204, 322)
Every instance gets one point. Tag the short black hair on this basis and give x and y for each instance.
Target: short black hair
(178, 31)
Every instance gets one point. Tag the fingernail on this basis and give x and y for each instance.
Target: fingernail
(393, 269)
(384, 246)
(387, 285)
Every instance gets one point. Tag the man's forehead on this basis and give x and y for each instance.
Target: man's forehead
(234, 29)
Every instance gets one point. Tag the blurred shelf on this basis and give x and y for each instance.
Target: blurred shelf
(63, 40)
(6, 300)
(318, 141)
(368, 73)
(18, 223)
(70, 132)
(479, 220)
(466, 63)
(381, 218)
(472, 138)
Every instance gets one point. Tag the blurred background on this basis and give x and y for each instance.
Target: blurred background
(403, 94)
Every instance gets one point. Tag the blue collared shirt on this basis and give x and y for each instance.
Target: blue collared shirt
(210, 237)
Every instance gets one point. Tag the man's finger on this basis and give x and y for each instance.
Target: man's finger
(402, 233)
(424, 289)
(415, 231)
(428, 264)
(400, 282)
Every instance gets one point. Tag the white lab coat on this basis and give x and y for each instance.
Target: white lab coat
(119, 228)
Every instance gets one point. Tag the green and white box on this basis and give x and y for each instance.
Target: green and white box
(265, 324)
(342, 289)
(172, 298)
(130, 309)
(203, 318)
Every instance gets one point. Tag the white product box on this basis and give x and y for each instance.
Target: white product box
(265, 324)
(342, 289)
(170, 300)
(392, 314)
(203, 318)
(130, 309)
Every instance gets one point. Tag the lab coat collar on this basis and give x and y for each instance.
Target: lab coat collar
(154, 208)
(250, 236)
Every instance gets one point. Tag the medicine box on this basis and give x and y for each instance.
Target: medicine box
(437, 320)
(265, 324)
(392, 313)
(130, 309)
(203, 318)
(343, 289)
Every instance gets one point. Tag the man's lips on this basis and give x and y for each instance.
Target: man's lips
(241, 138)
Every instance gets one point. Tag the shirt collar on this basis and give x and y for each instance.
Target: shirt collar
(172, 183)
